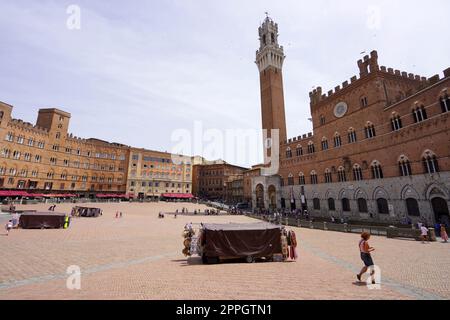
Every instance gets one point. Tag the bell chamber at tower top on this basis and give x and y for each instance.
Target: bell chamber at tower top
(270, 53)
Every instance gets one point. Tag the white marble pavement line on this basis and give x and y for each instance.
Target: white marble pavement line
(405, 289)
(46, 278)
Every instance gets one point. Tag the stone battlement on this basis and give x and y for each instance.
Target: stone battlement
(22, 125)
(369, 65)
(300, 139)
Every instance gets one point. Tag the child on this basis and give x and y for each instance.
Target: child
(424, 234)
(366, 257)
(8, 227)
(444, 234)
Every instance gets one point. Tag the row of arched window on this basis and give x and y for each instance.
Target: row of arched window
(337, 141)
(25, 173)
(419, 114)
(412, 205)
(429, 161)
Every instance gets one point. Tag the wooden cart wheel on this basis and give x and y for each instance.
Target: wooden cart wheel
(250, 259)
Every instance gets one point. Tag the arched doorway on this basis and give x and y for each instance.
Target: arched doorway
(272, 198)
(260, 196)
(440, 209)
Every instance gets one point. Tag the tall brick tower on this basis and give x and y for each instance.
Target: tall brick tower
(270, 58)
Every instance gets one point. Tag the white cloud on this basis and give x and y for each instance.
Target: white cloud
(149, 68)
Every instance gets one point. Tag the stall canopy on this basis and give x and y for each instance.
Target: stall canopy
(241, 240)
(86, 212)
(43, 220)
(177, 195)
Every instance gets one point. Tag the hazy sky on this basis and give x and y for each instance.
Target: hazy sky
(138, 70)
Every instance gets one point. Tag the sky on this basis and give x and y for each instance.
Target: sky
(136, 72)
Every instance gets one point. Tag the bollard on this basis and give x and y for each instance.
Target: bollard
(287, 221)
(432, 235)
(298, 223)
(311, 226)
(325, 226)
(346, 227)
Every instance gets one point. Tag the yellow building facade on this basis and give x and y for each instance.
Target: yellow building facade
(152, 174)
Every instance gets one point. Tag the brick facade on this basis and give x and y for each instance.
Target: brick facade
(209, 181)
(375, 137)
(46, 158)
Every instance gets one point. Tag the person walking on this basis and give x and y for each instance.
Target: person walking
(8, 227)
(424, 233)
(365, 252)
(121, 214)
(15, 220)
(444, 234)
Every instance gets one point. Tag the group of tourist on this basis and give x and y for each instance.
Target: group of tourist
(235, 211)
(440, 228)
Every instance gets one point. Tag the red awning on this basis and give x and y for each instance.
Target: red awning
(177, 195)
(37, 195)
(6, 193)
(19, 193)
(111, 195)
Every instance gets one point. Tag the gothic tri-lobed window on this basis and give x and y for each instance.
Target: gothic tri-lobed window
(377, 171)
(290, 180)
(301, 179)
(370, 130)
(337, 140)
(419, 114)
(430, 162)
(299, 151)
(314, 179)
(288, 153)
(328, 176)
(352, 135)
(396, 122)
(324, 144)
(311, 148)
(404, 166)
(445, 103)
(342, 177)
(357, 173)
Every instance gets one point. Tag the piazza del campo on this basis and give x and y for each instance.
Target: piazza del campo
(92, 219)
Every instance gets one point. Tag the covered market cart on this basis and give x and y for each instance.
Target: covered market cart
(252, 241)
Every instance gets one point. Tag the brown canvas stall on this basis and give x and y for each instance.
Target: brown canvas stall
(87, 212)
(236, 241)
(42, 220)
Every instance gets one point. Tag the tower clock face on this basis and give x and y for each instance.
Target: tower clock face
(340, 109)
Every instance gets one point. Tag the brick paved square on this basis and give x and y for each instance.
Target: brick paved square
(139, 257)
